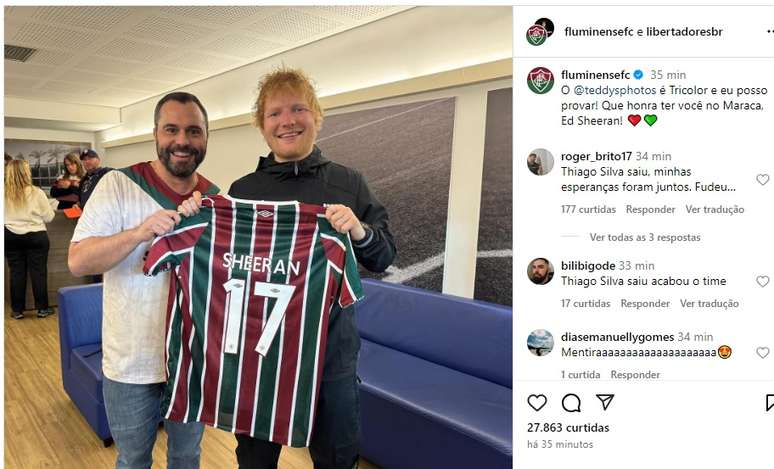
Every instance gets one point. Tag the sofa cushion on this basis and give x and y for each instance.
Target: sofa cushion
(86, 363)
(80, 318)
(470, 417)
(471, 336)
(82, 306)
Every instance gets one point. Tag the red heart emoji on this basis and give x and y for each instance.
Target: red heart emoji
(634, 119)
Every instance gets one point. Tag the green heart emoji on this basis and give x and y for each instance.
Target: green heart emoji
(650, 119)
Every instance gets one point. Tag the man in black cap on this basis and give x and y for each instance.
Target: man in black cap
(91, 163)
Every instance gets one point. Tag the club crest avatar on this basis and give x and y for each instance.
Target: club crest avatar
(536, 35)
(540, 80)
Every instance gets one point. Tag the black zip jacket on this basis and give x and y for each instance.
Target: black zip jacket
(317, 180)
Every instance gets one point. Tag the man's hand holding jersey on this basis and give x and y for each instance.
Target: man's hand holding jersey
(98, 254)
(190, 206)
(158, 224)
(343, 220)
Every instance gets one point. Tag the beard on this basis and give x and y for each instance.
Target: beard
(182, 169)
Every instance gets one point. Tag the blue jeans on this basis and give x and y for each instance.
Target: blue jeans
(134, 412)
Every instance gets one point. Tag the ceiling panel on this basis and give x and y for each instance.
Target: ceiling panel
(121, 93)
(117, 55)
(225, 15)
(27, 69)
(202, 62)
(114, 97)
(51, 37)
(291, 26)
(146, 85)
(241, 46)
(351, 12)
(16, 83)
(14, 11)
(167, 30)
(178, 75)
(94, 63)
(49, 57)
(95, 79)
(134, 50)
(67, 86)
(95, 18)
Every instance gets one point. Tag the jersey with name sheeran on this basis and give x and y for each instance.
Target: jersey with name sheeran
(249, 305)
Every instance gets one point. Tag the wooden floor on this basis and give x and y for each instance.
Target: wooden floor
(44, 429)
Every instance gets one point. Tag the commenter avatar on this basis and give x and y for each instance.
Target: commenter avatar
(540, 342)
(540, 271)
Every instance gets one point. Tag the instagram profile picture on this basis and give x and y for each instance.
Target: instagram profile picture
(540, 342)
(540, 161)
(540, 31)
(540, 80)
(540, 271)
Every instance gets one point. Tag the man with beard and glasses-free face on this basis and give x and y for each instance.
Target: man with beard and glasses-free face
(540, 271)
(288, 114)
(128, 208)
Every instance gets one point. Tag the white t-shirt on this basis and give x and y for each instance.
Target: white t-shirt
(133, 305)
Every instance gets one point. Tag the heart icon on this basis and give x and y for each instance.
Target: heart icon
(762, 280)
(634, 119)
(650, 119)
(537, 401)
(762, 352)
(762, 179)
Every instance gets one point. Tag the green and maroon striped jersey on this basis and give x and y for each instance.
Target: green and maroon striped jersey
(253, 286)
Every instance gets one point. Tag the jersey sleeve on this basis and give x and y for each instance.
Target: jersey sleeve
(351, 289)
(169, 250)
(338, 249)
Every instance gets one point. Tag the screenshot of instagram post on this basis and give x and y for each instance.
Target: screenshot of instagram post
(643, 226)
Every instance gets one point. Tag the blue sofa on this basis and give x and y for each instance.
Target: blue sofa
(80, 343)
(436, 380)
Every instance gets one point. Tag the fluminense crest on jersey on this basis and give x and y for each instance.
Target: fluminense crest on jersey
(250, 300)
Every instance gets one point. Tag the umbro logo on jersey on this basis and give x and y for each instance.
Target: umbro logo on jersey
(265, 213)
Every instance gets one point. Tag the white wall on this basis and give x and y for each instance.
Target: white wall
(48, 135)
(73, 113)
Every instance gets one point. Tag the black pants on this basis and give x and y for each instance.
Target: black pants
(27, 252)
(335, 435)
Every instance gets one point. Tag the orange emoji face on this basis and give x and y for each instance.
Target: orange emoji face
(724, 351)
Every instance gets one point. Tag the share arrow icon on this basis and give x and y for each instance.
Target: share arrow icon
(605, 399)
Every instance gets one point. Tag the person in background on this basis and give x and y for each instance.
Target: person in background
(67, 187)
(94, 172)
(27, 210)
